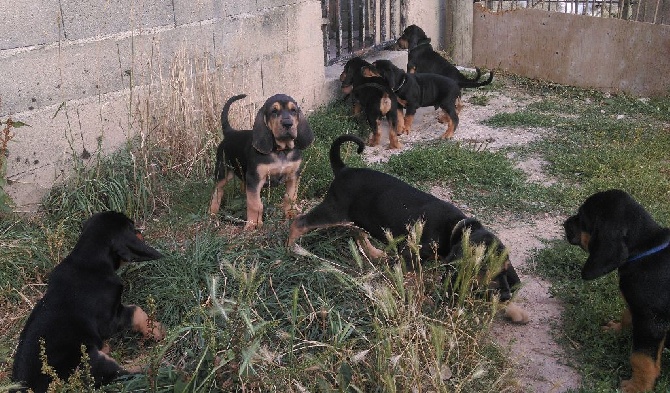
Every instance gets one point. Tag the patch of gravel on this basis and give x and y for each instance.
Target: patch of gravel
(540, 365)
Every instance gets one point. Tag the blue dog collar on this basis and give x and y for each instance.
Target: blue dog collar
(649, 252)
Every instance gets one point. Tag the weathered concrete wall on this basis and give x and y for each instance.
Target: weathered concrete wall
(431, 16)
(591, 52)
(76, 71)
(82, 49)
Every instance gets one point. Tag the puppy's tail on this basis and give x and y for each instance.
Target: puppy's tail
(336, 163)
(464, 83)
(225, 125)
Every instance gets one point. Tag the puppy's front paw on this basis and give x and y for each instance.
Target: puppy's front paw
(147, 326)
(632, 386)
(613, 326)
(155, 330)
(516, 314)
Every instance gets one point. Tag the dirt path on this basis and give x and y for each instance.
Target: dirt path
(538, 357)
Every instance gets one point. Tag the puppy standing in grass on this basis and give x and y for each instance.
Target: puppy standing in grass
(269, 154)
(82, 306)
(618, 233)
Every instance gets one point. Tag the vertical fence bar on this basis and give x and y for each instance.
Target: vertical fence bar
(393, 19)
(338, 32)
(325, 27)
(403, 15)
(373, 21)
(382, 19)
(350, 25)
(362, 15)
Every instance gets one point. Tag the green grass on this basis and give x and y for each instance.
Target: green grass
(245, 313)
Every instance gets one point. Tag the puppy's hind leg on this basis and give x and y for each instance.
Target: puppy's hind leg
(371, 251)
(322, 216)
(217, 195)
(450, 117)
(394, 143)
(375, 123)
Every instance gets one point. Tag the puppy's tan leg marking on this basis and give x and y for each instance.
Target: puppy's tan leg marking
(584, 240)
(296, 231)
(146, 326)
(376, 135)
(459, 105)
(516, 314)
(254, 209)
(289, 205)
(626, 322)
(357, 109)
(217, 195)
(394, 143)
(370, 250)
(445, 118)
(409, 119)
(400, 128)
(645, 372)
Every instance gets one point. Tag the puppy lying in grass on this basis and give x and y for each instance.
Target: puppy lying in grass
(377, 202)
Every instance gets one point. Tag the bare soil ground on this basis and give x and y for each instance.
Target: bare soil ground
(540, 361)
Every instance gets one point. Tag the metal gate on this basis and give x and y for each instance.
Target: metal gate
(651, 11)
(355, 27)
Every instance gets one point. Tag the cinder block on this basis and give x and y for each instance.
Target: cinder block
(236, 7)
(92, 18)
(187, 11)
(28, 23)
(43, 153)
(306, 34)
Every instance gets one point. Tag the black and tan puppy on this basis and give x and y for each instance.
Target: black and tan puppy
(377, 202)
(374, 97)
(422, 58)
(420, 90)
(82, 306)
(267, 155)
(618, 233)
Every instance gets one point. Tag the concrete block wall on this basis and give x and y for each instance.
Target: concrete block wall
(600, 53)
(75, 70)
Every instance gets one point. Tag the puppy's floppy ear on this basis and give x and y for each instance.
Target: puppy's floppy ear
(262, 138)
(130, 247)
(305, 135)
(457, 233)
(607, 249)
(413, 41)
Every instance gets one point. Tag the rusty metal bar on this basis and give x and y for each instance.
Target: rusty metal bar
(350, 26)
(373, 18)
(362, 14)
(325, 27)
(382, 19)
(393, 32)
(338, 31)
